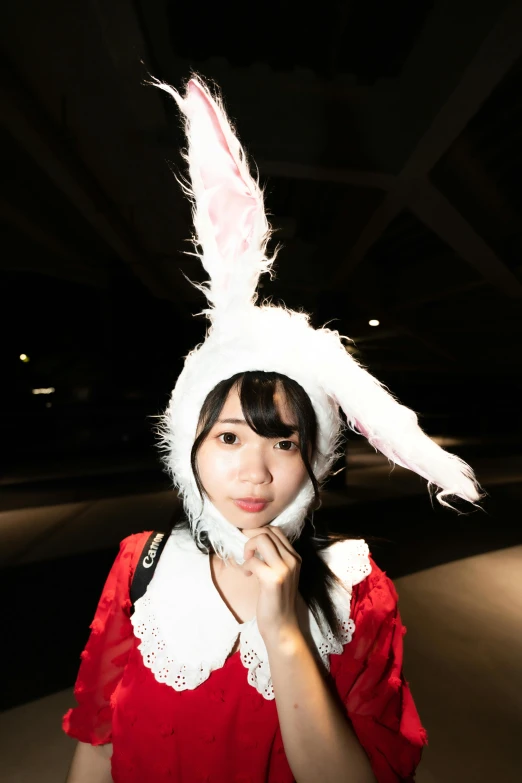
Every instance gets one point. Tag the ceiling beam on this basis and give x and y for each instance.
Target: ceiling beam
(412, 303)
(125, 45)
(497, 54)
(81, 269)
(35, 133)
(364, 179)
(388, 209)
(438, 214)
(495, 57)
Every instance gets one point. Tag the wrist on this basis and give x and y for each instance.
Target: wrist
(286, 641)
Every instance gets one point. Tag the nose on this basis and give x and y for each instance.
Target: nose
(253, 468)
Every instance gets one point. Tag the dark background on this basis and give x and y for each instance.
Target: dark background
(388, 137)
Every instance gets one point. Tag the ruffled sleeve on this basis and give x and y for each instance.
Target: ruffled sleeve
(370, 681)
(107, 651)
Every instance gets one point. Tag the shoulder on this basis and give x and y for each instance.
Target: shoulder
(376, 596)
(352, 562)
(349, 560)
(115, 593)
(131, 548)
(134, 542)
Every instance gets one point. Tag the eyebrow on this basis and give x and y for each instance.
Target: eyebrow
(242, 421)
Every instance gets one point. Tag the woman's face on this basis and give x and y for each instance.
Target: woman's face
(237, 467)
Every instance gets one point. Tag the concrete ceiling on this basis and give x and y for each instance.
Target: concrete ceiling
(391, 154)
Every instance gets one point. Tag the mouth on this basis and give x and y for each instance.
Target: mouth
(251, 505)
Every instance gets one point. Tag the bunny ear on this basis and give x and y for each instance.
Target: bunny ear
(392, 428)
(229, 216)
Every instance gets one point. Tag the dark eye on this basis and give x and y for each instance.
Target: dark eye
(286, 445)
(228, 437)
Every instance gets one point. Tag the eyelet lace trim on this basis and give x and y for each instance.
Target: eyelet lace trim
(153, 648)
(349, 561)
(171, 657)
(254, 657)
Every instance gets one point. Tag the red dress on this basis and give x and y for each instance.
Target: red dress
(224, 731)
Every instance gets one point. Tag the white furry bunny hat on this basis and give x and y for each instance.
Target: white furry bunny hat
(231, 236)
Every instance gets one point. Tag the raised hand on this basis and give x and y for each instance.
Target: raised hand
(278, 576)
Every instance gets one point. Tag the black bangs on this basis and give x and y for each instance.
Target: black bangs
(256, 394)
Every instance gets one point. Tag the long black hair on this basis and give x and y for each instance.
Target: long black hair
(256, 391)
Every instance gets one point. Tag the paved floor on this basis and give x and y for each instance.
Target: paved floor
(459, 578)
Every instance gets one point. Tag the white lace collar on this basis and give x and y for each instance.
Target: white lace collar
(187, 631)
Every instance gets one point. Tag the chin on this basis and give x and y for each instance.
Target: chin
(251, 521)
(244, 520)
(250, 524)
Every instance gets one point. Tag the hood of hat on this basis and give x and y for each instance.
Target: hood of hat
(265, 338)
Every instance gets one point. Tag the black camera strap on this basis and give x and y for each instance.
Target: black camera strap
(146, 566)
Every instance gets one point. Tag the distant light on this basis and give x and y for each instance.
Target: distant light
(48, 404)
(49, 390)
(24, 358)
(374, 322)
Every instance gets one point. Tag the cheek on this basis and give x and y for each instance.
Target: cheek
(290, 477)
(215, 464)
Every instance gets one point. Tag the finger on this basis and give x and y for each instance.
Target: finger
(267, 547)
(279, 537)
(287, 552)
(255, 531)
(273, 552)
(284, 540)
(256, 567)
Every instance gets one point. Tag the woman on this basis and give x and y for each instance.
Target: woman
(259, 651)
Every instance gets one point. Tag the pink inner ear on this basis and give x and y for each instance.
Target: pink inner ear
(360, 427)
(232, 207)
(391, 454)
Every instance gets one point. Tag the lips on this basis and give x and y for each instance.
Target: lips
(251, 504)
